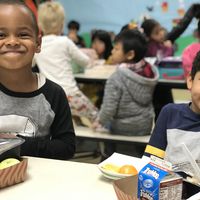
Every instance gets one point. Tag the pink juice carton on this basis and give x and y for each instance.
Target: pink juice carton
(156, 181)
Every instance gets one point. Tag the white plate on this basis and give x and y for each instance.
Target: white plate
(119, 160)
(112, 174)
(111, 177)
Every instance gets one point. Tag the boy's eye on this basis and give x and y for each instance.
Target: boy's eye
(24, 35)
(2, 35)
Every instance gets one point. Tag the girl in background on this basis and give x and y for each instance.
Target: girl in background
(102, 44)
(189, 53)
(157, 45)
(160, 42)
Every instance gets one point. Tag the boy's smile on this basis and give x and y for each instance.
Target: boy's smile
(18, 39)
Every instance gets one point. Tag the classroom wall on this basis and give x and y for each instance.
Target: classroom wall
(111, 15)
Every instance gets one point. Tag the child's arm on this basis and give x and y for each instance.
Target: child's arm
(158, 140)
(61, 142)
(193, 11)
(77, 55)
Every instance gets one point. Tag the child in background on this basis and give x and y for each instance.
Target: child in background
(163, 96)
(178, 123)
(73, 28)
(57, 53)
(102, 44)
(157, 45)
(32, 106)
(160, 42)
(127, 104)
(189, 54)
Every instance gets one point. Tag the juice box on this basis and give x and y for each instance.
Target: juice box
(157, 182)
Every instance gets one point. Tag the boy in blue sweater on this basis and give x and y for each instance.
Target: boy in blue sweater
(178, 123)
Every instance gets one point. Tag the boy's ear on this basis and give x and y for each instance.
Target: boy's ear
(38, 43)
(189, 82)
(130, 55)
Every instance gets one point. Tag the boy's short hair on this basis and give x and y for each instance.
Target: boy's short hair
(148, 25)
(195, 65)
(21, 3)
(73, 25)
(51, 16)
(133, 40)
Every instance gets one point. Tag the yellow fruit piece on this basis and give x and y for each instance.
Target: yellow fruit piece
(8, 162)
(111, 167)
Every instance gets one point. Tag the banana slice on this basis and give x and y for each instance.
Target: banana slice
(111, 167)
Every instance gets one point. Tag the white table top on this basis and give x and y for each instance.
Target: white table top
(103, 72)
(88, 133)
(99, 72)
(104, 76)
(50, 179)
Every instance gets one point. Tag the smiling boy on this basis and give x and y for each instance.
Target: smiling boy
(179, 123)
(31, 106)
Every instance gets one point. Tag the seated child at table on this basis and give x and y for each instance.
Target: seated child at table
(189, 54)
(57, 53)
(179, 123)
(160, 42)
(32, 106)
(127, 103)
(102, 44)
(157, 46)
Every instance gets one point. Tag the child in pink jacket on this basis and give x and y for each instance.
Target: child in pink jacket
(189, 54)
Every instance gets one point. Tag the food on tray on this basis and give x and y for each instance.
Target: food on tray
(111, 167)
(8, 162)
(124, 169)
(128, 169)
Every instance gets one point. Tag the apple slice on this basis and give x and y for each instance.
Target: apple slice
(8, 162)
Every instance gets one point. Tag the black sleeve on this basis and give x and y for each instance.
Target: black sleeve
(184, 23)
(158, 140)
(61, 143)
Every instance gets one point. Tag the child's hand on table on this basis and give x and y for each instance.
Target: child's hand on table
(98, 127)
